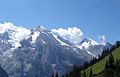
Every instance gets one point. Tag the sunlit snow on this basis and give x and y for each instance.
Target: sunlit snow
(17, 34)
(62, 43)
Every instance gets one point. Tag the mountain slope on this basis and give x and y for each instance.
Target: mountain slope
(40, 52)
(92, 47)
(100, 66)
(76, 36)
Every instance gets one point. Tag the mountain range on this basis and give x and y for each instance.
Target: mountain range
(41, 52)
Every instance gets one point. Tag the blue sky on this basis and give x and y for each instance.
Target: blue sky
(93, 17)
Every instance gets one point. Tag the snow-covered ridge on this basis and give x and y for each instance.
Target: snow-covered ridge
(16, 34)
(91, 54)
(74, 35)
(87, 43)
(62, 43)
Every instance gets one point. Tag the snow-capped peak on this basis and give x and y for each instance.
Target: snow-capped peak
(40, 29)
(34, 36)
(16, 34)
(86, 43)
(102, 40)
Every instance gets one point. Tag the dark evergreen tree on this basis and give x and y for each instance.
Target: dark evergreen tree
(105, 53)
(56, 75)
(66, 75)
(63, 76)
(106, 65)
(75, 72)
(91, 73)
(117, 44)
(117, 68)
(85, 65)
(52, 74)
(111, 61)
(112, 48)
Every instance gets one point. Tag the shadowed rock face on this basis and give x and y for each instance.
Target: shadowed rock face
(3, 72)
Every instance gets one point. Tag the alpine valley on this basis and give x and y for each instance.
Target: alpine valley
(41, 52)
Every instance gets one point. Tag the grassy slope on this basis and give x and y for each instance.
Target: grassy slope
(100, 66)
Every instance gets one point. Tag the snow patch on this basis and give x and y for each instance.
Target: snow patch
(34, 37)
(62, 43)
(43, 41)
(28, 67)
(75, 50)
(91, 54)
(67, 63)
(92, 42)
(85, 45)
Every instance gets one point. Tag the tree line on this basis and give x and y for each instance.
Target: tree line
(110, 66)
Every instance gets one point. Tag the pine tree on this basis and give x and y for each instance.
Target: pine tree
(75, 72)
(91, 73)
(106, 65)
(56, 75)
(62, 75)
(52, 75)
(85, 65)
(111, 60)
(117, 44)
(117, 68)
(66, 75)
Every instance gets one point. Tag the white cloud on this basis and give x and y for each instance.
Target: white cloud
(73, 35)
(102, 39)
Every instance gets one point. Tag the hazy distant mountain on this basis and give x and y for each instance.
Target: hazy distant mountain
(27, 53)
